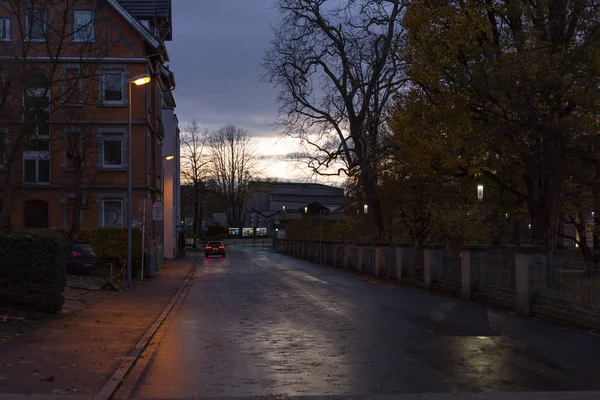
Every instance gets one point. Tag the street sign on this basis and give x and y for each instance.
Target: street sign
(276, 220)
(326, 212)
(157, 211)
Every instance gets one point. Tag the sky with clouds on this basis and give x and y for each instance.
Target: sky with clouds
(216, 55)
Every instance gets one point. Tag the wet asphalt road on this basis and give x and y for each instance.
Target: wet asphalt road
(262, 324)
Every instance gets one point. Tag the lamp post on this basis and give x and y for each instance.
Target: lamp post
(139, 80)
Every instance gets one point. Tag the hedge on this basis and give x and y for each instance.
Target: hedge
(33, 270)
(109, 243)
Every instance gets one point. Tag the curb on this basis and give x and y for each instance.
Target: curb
(119, 375)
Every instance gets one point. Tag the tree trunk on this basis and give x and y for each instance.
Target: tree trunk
(369, 183)
(78, 204)
(6, 198)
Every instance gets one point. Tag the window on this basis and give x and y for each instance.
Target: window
(111, 212)
(73, 90)
(83, 26)
(112, 152)
(5, 29)
(35, 23)
(73, 151)
(37, 108)
(36, 167)
(113, 87)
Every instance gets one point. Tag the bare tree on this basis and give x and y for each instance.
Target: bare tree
(45, 98)
(194, 159)
(233, 163)
(337, 68)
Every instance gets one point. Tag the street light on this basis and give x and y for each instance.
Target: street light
(138, 80)
(305, 210)
(480, 192)
(366, 208)
(283, 208)
(169, 158)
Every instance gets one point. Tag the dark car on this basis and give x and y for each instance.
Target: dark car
(214, 249)
(82, 258)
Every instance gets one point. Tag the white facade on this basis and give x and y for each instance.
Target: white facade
(172, 181)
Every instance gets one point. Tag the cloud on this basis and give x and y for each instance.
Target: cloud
(216, 54)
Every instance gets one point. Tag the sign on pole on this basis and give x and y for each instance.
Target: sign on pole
(326, 212)
(157, 211)
(276, 220)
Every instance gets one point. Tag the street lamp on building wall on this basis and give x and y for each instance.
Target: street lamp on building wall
(479, 192)
(138, 80)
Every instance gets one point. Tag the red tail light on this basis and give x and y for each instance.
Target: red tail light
(208, 247)
(221, 247)
(75, 254)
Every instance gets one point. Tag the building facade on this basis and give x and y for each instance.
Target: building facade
(282, 201)
(65, 104)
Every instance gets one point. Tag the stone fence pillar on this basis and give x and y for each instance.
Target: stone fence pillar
(530, 261)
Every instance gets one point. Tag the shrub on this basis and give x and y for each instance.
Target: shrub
(110, 243)
(33, 270)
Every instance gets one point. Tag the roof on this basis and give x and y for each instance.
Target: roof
(135, 23)
(149, 9)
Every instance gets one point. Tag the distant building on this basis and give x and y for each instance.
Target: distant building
(285, 201)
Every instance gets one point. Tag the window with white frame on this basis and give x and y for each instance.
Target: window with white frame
(113, 86)
(112, 212)
(113, 150)
(5, 33)
(73, 149)
(83, 26)
(37, 109)
(35, 25)
(73, 86)
(36, 167)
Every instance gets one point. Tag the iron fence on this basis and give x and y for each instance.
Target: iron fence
(495, 275)
(369, 260)
(339, 256)
(446, 269)
(353, 258)
(413, 263)
(388, 266)
(570, 284)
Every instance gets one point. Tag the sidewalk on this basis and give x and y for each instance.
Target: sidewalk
(77, 354)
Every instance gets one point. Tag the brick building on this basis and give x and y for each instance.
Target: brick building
(64, 71)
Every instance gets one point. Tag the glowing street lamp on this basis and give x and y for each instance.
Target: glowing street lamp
(366, 208)
(480, 192)
(138, 80)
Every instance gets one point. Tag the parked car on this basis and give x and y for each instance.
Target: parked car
(82, 258)
(214, 249)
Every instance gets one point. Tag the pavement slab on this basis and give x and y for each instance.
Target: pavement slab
(74, 355)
